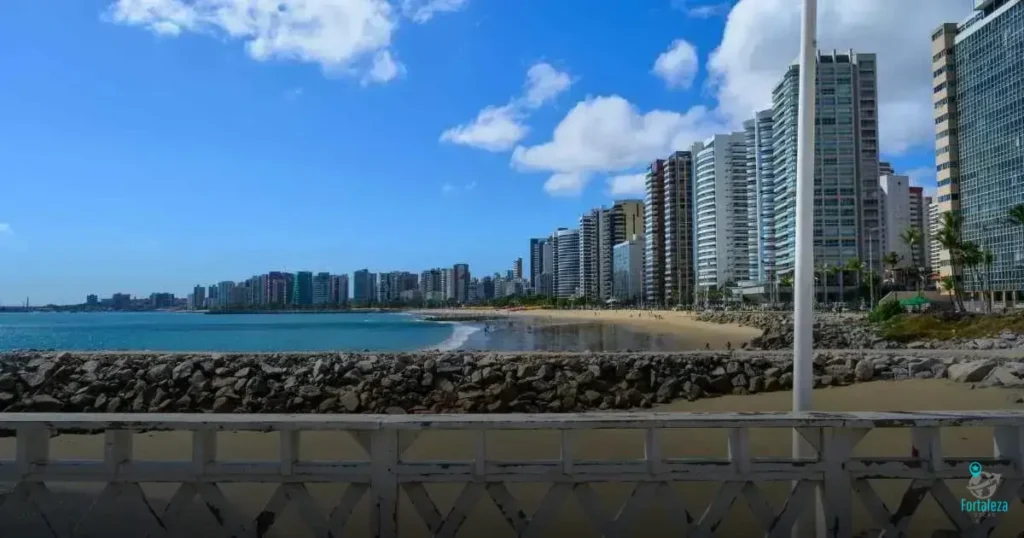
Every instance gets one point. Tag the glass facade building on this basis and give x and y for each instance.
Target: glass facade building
(989, 72)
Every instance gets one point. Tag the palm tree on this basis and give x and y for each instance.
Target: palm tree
(948, 283)
(891, 260)
(971, 257)
(912, 238)
(823, 269)
(949, 238)
(988, 258)
(856, 267)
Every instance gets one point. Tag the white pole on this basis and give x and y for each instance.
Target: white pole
(803, 282)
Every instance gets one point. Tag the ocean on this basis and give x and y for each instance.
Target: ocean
(170, 331)
(175, 331)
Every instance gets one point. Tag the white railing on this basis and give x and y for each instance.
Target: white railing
(836, 474)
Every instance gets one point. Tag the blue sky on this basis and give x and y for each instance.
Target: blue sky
(148, 145)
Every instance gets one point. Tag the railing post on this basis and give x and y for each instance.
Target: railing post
(836, 494)
(384, 457)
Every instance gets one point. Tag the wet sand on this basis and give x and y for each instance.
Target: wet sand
(598, 330)
(128, 518)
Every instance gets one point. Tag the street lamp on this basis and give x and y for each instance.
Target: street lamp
(803, 283)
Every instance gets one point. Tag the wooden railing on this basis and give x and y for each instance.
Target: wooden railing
(836, 477)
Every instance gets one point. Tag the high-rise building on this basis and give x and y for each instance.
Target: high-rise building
(895, 216)
(979, 124)
(199, 297)
(919, 221)
(339, 290)
(934, 225)
(722, 205)
(225, 291)
(448, 283)
(761, 183)
(566, 254)
(460, 277)
(517, 269)
(363, 288)
(92, 299)
(589, 261)
(654, 237)
(885, 169)
(546, 279)
(302, 289)
(628, 270)
(322, 289)
(679, 248)
(622, 221)
(846, 191)
(536, 260)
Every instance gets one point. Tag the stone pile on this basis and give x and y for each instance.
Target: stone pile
(830, 331)
(429, 382)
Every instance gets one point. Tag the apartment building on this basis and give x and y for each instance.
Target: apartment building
(679, 231)
(722, 217)
(761, 188)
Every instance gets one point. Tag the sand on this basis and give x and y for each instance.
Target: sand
(683, 325)
(127, 518)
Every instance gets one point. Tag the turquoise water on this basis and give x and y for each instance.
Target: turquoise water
(165, 331)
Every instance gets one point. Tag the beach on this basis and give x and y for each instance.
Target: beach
(582, 330)
(128, 519)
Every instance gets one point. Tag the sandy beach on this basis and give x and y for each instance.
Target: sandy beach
(128, 519)
(686, 331)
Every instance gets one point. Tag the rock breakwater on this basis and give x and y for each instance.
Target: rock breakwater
(434, 382)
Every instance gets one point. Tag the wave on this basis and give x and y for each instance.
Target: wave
(460, 335)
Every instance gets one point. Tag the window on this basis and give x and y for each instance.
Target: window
(941, 86)
(939, 71)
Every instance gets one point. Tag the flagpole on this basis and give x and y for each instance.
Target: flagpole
(803, 281)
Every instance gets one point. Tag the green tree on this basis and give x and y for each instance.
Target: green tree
(857, 267)
(891, 260)
(912, 238)
(949, 239)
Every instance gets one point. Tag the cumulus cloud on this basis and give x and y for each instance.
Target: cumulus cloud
(544, 83)
(346, 36)
(608, 134)
(494, 129)
(678, 65)
(566, 184)
(762, 37)
(611, 134)
(423, 10)
(500, 128)
(627, 185)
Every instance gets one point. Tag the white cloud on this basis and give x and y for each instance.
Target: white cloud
(627, 185)
(544, 83)
(566, 184)
(385, 68)
(450, 188)
(494, 129)
(339, 35)
(423, 10)
(678, 65)
(610, 134)
(500, 128)
(923, 177)
(762, 37)
(701, 11)
(5, 229)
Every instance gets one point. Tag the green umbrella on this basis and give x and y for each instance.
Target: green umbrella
(917, 300)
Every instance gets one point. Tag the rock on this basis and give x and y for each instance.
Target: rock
(43, 403)
(223, 405)
(971, 372)
(864, 371)
(159, 373)
(349, 401)
(667, 390)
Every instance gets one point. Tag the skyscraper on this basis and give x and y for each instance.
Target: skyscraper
(517, 269)
(623, 221)
(722, 203)
(895, 216)
(302, 294)
(362, 288)
(536, 260)
(846, 192)
(761, 180)
(546, 280)
(460, 274)
(566, 253)
(918, 206)
(979, 124)
(628, 270)
(654, 239)
(934, 225)
(322, 289)
(589, 241)
(679, 247)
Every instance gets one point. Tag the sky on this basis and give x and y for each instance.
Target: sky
(151, 145)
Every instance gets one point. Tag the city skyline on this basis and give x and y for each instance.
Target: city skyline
(114, 182)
